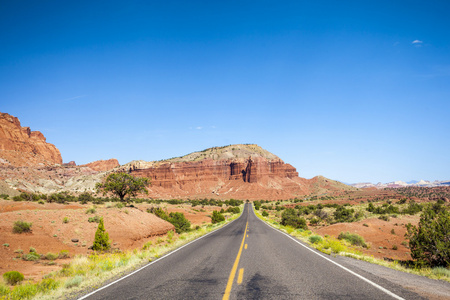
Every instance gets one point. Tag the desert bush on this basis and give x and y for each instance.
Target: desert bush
(353, 239)
(85, 197)
(101, 242)
(13, 277)
(233, 210)
(159, 212)
(120, 205)
(315, 239)
(394, 247)
(430, 240)
(95, 219)
(51, 256)
(41, 202)
(4, 196)
(21, 226)
(65, 220)
(343, 214)
(48, 284)
(32, 256)
(265, 213)
(63, 254)
(179, 221)
(384, 218)
(90, 210)
(413, 208)
(257, 204)
(314, 221)
(321, 214)
(289, 217)
(217, 217)
(73, 282)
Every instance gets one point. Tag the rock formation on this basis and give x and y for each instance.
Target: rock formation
(103, 165)
(235, 171)
(19, 146)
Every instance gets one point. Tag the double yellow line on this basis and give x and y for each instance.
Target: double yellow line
(226, 296)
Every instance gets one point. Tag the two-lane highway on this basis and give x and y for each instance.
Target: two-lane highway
(248, 259)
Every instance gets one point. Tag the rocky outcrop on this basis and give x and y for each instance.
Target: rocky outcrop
(222, 172)
(103, 165)
(249, 171)
(19, 146)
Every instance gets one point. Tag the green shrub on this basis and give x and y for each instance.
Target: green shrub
(394, 247)
(13, 277)
(217, 217)
(51, 256)
(85, 197)
(32, 256)
(384, 218)
(265, 213)
(63, 254)
(159, 212)
(95, 219)
(289, 217)
(315, 239)
(430, 240)
(179, 221)
(257, 204)
(48, 284)
(65, 220)
(90, 210)
(32, 250)
(353, 239)
(343, 214)
(101, 242)
(21, 226)
(41, 201)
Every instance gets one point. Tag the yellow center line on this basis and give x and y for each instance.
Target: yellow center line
(240, 276)
(245, 247)
(226, 296)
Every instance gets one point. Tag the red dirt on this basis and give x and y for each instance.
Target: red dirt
(128, 228)
(378, 235)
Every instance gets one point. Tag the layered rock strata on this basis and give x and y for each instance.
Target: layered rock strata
(19, 146)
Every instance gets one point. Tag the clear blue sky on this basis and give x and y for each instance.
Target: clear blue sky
(352, 90)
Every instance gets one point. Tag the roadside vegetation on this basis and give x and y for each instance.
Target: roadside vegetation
(429, 241)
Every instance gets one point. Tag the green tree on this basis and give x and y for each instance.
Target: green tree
(430, 240)
(179, 221)
(123, 184)
(101, 242)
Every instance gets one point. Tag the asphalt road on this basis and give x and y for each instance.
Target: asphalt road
(247, 259)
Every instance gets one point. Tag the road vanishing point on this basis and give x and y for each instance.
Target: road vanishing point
(248, 259)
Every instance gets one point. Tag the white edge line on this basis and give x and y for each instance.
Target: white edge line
(340, 266)
(149, 264)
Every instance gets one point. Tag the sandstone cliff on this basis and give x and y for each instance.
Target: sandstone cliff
(19, 146)
(235, 171)
(103, 165)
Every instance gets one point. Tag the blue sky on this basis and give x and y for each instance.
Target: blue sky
(352, 90)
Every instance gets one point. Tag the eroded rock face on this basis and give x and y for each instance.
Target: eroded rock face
(103, 165)
(19, 146)
(250, 178)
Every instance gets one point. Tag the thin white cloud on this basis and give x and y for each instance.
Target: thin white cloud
(73, 98)
(199, 127)
(417, 42)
